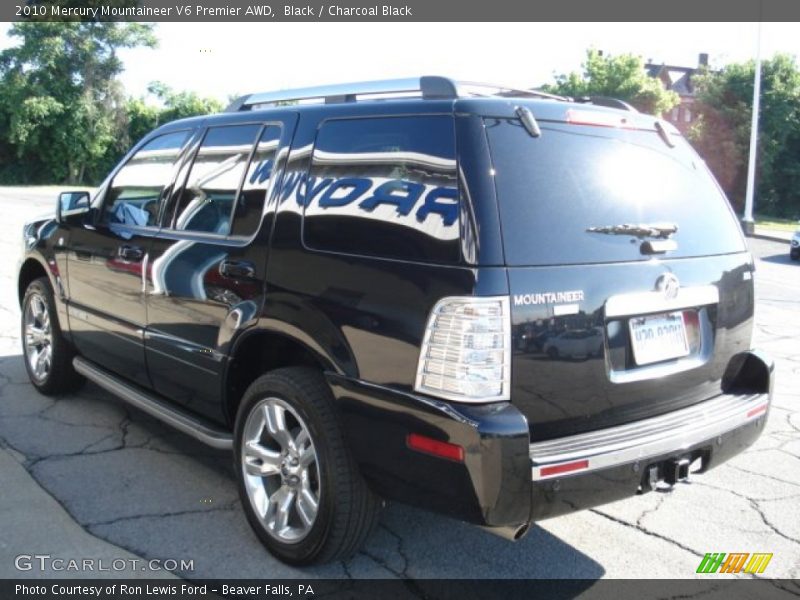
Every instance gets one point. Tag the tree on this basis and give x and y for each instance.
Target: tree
(722, 132)
(621, 77)
(179, 105)
(61, 106)
(143, 117)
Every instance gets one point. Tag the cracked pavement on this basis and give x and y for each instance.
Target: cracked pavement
(135, 483)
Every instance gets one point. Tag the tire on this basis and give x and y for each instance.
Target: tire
(553, 353)
(47, 353)
(274, 468)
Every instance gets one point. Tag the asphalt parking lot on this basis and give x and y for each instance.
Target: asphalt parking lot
(126, 479)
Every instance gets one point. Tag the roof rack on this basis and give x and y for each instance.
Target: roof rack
(430, 87)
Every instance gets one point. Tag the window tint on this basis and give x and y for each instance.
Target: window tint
(250, 204)
(384, 187)
(553, 189)
(206, 202)
(134, 194)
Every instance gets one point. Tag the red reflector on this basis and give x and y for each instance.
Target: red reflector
(591, 117)
(757, 410)
(420, 443)
(564, 468)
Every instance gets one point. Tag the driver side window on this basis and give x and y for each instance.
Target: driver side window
(135, 193)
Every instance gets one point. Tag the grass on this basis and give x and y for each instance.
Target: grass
(777, 224)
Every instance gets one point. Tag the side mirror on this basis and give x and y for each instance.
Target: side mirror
(71, 203)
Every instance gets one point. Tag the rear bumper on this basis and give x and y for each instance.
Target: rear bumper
(561, 495)
(507, 482)
(641, 440)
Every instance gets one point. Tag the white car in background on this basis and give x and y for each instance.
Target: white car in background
(794, 250)
(575, 343)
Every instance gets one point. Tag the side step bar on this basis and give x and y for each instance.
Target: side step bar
(155, 407)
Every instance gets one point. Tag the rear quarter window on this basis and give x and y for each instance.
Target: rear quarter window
(385, 187)
(553, 188)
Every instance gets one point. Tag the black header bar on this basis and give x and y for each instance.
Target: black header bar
(402, 10)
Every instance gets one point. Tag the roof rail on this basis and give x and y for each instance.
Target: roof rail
(430, 87)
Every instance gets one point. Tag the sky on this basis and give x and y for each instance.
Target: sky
(226, 59)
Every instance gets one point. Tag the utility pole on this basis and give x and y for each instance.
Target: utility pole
(748, 225)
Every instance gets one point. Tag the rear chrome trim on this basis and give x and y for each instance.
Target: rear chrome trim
(640, 440)
(640, 303)
(177, 418)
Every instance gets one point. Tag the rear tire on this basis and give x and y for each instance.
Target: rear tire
(47, 353)
(299, 485)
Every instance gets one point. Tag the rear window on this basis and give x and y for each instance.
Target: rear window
(553, 188)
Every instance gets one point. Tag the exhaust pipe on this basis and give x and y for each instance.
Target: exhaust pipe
(512, 533)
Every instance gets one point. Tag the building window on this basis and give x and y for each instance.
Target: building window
(675, 114)
(687, 115)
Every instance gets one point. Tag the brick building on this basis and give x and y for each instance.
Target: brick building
(679, 80)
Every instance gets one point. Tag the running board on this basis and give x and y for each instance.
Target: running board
(155, 407)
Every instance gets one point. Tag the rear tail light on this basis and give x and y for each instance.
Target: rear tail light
(466, 352)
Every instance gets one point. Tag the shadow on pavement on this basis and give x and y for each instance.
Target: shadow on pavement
(780, 259)
(136, 483)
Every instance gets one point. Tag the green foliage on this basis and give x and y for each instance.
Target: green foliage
(63, 114)
(179, 105)
(143, 117)
(722, 132)
(60, 101)
(621, 77)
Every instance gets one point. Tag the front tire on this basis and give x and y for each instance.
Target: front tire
(47, 353)
(300, 487)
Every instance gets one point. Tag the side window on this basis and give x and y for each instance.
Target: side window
(384, 187)
(134, 195)
(206, 202)
(250, 204)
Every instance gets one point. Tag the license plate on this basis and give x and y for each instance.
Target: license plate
(658, 337)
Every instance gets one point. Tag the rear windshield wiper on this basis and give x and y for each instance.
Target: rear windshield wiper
(658, 230)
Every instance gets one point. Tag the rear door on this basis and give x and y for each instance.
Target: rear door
(587, 214)
(206, 281)
(107, 259)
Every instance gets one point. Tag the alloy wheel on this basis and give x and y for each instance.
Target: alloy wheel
(280, 469)
(38, 337)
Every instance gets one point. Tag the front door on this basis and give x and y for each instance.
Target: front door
(206, 280)
(107, 259)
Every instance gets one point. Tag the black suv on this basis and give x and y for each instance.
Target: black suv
(495, 304)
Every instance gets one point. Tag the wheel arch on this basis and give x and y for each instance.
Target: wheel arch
(262, 349)
(30, 270)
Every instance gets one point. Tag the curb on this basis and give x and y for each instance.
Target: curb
(33, 522)
(771, 237)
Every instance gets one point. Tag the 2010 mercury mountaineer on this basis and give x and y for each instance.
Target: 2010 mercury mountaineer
(499, 305)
